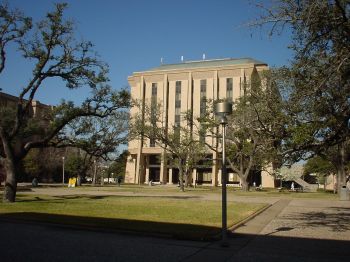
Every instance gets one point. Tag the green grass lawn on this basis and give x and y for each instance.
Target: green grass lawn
(181, 217)
(266, 192)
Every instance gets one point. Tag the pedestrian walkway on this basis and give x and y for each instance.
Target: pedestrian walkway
(257, 224)
(290, 230)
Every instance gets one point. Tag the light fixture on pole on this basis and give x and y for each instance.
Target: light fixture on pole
(63, 170)
(222, 110)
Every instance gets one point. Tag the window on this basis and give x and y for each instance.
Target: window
(178, 87)
(154, 89)
(177, 102)
(202, 135)
(152, 142)
(177, 119)
(229, 89)
(203, 87)
(178, 91)
(203, 97)
(153, 111)
(177, 133)
(203, 106)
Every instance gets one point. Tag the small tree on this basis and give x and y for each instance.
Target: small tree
(253, 136)
(119, 164)
(183, 148)
(32, 164)
(75, 165)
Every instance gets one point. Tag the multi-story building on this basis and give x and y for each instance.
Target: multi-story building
(51, 157)
(182, 87)
(37, 109)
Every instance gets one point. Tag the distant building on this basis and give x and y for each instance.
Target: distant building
(182, 87)
(38, 111)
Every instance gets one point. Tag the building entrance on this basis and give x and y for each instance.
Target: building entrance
(154, 174)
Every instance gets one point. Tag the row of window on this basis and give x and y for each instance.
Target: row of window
(153, 111)
(177, 103)
(203, 102)
(203, 89)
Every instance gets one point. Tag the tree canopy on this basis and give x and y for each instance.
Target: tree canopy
(318, 79)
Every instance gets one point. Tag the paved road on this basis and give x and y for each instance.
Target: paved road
(290, 230)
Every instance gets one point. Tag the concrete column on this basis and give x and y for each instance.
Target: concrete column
(138, 165)
(267, 180)
(194, 176)
(145, 170)
(219, 178)
(165, 100)
(170, 180)
(189, 92)
(140, 142)
(215, 85)
(163, 169)
(147, 175)
(214, 173)
(141, 177)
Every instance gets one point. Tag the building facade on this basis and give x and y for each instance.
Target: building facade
(37, 109)
(180, 88)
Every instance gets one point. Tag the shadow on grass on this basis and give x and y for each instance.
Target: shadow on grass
(177, 231)
(98, 197)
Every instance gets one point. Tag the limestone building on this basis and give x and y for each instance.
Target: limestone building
(180, 87)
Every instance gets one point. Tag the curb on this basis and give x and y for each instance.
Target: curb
(256, 213)
(240, 223)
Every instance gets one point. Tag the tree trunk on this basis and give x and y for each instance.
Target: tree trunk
(245, 185)
(187, 178)
(181, 179)
(10, 170)
(95, 172)
(10, 182)
(341, 174)
(79, 178)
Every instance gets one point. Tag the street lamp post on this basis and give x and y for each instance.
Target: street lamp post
(63, 170)
(222, 110)
(95, 171)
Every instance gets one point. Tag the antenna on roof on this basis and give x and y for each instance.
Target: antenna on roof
(161, 60)
(182, 58)
(203, 57)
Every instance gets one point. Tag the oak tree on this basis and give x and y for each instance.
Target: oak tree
(54, 52)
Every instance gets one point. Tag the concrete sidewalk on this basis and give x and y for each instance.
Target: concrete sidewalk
(290, 230)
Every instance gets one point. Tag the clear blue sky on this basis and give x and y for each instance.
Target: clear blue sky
(133, 35)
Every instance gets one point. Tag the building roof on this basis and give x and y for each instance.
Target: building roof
(208, 63)
(8, 97)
